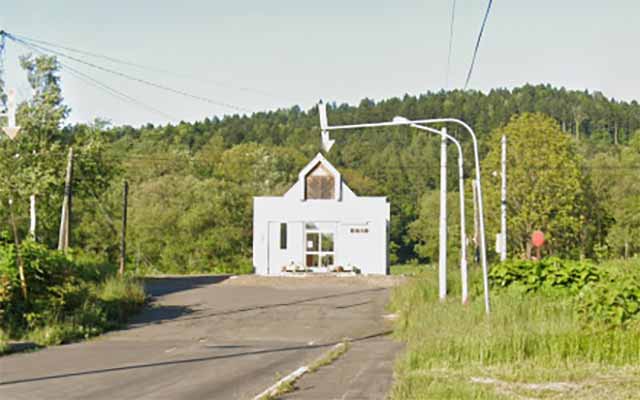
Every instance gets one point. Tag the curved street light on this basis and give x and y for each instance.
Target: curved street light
(463, 231)
(324, 125)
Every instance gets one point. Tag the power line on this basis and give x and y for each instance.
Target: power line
(475, 51)
(146, 67)
(94, 82)
(453, 16)
(114, 92)
(133, 78)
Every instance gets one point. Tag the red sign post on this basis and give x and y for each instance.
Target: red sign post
(537, 240)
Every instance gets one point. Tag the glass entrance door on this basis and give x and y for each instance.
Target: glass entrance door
(319, 248)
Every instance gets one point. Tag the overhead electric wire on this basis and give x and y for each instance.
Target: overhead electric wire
(453, 18)
(94, 82)
(132, 78)
(116, 93)
(142, 66)
(475, 50)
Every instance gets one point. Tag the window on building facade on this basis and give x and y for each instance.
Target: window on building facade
(283, 236)
(320, 183)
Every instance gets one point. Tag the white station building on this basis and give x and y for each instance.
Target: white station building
(320, 225)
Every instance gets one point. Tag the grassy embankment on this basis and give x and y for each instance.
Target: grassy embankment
(69, 297)
(536, 344)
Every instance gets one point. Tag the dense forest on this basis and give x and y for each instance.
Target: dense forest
(191, 184)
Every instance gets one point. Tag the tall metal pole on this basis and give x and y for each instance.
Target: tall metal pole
(442, 259)
(476, 228)
(463, 235)
(463, 229)
(483, 241)
(324, 126)
(503, 202)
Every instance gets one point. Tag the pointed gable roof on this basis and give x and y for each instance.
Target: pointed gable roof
(319, 159)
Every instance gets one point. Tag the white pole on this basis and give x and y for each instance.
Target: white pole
(476, 225)
(442, 261)
(32, 214)
(463, 235)
(403, 121)
(483, 242)
(463, 229)
(503, 203)
(63, 239)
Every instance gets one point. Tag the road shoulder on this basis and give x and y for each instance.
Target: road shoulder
(363, 372)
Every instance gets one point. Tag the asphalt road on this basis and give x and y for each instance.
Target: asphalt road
(216, 338)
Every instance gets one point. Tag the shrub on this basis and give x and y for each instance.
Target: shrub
(615, 299)
(69, 297)
(46, 271)
(121, 297)
(547, 273)
(606, 294)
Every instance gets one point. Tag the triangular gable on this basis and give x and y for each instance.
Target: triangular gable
(319, 159)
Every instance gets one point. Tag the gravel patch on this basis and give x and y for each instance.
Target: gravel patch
(312, 281)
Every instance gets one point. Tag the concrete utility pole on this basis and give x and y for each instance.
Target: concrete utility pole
(65, 217)
(32, 216)
(503, 203)
(123, 239)
(442, 254)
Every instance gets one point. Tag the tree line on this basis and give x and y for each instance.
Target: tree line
(192, 183)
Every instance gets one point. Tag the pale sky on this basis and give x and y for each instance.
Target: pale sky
(270, 54)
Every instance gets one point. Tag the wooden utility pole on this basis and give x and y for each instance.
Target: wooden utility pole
(16, 241)
(123, 239)
(65, 217)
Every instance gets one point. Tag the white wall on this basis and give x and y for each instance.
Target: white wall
(367, 251)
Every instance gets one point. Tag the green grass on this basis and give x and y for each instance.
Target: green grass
(531, 346)
(328, 358)
(107, 306)
(331, 356)
(70, 296)
(4, 342)
(410, 269)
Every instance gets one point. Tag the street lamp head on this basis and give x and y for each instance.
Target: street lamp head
(400, 120)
